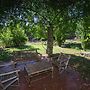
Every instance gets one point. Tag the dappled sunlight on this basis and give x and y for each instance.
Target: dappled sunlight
(37, 30)
(77, 65)
(56, 48)
(82, 65)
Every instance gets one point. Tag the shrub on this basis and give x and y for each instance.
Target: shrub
(19, 36)
(86, 42)
(13, 37)
(6, 38)
(60, 37)
(4, 55)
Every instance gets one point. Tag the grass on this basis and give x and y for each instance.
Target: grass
(56, 49)
(41, 48)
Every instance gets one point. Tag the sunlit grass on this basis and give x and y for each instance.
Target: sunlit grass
(41, 48)
(56, 49)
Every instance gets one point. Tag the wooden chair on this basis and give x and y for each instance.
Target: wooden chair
(55, 59)
(7, 79)
(63, 62)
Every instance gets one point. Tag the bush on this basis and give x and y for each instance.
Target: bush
(60, 36)
(19, 37)
(13, 37)
(4, 55)
(86, 42)
(6, 38)
(60, 39)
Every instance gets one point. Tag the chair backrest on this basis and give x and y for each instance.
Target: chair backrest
(7, 79)
(63, 62)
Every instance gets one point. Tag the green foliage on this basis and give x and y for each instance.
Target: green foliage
(13, 37)
(83, 32)
(49, 12)
(60, 37)
(6, 38)
(19, 36)
(38, 32)
(4, 55)
(86, 41)
(64, 30)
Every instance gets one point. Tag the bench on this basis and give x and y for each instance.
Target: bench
(26, 55)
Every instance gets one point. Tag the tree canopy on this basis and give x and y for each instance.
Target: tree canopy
(56, 16)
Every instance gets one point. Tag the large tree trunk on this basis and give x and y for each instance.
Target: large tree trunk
(49, 50)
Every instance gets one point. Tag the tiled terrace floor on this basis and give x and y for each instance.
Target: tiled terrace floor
(69, 80)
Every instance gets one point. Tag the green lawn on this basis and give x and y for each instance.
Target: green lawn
(41, 48)
(56, 49)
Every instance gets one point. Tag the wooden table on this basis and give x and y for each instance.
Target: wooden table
(38, 68)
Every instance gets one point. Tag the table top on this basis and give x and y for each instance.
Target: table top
(38, 67)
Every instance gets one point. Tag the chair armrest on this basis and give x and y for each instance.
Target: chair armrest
(3, 74)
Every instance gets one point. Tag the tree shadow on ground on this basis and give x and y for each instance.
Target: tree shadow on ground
(82, 65)
(26, 47)
(72, 45)
(6, 55)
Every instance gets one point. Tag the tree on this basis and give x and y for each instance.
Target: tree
(69, 11)
(83, 31)
(49, 11)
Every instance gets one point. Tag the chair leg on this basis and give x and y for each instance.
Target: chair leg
(28, 80)
(1, 86)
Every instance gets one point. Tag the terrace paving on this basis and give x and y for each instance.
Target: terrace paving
(68, 80)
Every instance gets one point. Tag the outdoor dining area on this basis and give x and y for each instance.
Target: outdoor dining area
(38, 72)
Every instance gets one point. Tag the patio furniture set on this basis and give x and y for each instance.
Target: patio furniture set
(36, 68)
